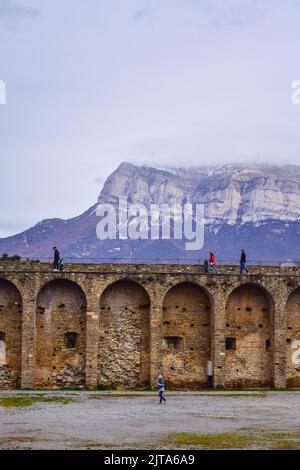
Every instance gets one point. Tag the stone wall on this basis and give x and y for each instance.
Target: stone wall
(249, 340)
(186, 335)
(293, 339)
(124, 354)
(122, 325)
(60, 335)
(10, 335)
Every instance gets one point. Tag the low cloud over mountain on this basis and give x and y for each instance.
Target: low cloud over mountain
(255, 207)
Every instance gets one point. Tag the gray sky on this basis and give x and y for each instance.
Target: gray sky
(92, 83)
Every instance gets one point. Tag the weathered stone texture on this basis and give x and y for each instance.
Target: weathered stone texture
(249, 329)
(124, 336)
(60, 321)
(293, 339)
(122, 325)
(10, 335)
(186, 336)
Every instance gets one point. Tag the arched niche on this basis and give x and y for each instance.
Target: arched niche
(186, 332)
(60, 335)
(249, 342)
(124, 343)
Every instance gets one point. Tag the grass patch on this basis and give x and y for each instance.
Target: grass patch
(115, 388)
(234, 441)
(108, 387)
(153, 394)
(96, 445)
(284, 441)
(122, 395)
(28, 400)
(262, 389)
(209, 441)
(232, 395)
(73, 389)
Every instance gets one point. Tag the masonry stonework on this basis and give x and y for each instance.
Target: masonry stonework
(124, 346)
(249, 342)
(122, 325)
(292, 333)
(60, 335)
(186, 336)
(10, 335)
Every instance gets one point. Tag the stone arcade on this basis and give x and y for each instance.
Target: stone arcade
(122, 325)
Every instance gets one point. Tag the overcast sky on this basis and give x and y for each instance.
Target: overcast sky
(92, 83)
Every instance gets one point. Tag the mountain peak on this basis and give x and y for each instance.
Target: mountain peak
(255, 203)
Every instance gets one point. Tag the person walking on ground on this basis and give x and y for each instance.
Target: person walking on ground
(243, 263)
(56, 259)
(161, 386)
(212, 262)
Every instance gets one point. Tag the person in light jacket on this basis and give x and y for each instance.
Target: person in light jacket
(161, 387)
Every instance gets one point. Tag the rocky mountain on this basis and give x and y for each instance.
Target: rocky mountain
(255, 207)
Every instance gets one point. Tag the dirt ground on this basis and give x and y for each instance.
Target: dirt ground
(135, 420)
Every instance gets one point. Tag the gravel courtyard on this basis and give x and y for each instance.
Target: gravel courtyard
(134, 420)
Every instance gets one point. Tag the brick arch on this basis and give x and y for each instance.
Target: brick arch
(186, 332)
(184, 280)
(124, 335)
(249, 336)
(260, 287)
(292, 331)
(60, 310)
(63, 280)
(11, 307)
(124, 278)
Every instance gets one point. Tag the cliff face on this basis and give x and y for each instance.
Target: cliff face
(232, 194)
(255, 207)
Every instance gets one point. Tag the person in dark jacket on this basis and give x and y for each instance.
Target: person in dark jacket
(243, 260)
(205, 265)
(56, 259)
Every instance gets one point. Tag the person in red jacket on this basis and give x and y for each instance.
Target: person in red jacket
(212, 262)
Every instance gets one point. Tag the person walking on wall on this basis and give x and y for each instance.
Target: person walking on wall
(212, 263)
(161, 387)
(61, 264)
(56, 259)
(243, 263)
(205, 265)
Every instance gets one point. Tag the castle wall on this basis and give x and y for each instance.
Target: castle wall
(249, 342)
(293, 339)
(186, 336)
(124, 354)
(60, 335)
(10, 335)
(122, 325)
